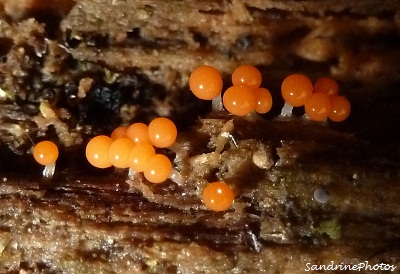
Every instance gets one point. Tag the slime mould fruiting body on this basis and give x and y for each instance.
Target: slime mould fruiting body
(137, 146)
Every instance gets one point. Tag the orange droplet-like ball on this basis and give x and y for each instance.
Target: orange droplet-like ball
(340, 108)
(119, 132)
(205, 82)
(45, 153)
(157, 169)
(119, 152)
(326, 85)
(296, 89)
(318, 107)
(263, 100)
(162, 132)
(97, 151)
(218, 196)
(239, 100)
(246, 76)
(139, 156)
(138, 133)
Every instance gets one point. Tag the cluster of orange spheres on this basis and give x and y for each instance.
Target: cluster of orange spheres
(244, 96)
(320, 100)
(134, 147)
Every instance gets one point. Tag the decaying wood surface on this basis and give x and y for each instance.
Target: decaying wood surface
(64, 62)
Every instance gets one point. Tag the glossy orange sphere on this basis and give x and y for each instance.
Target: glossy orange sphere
(326, 85)
(119, 152)
(45, 153)
(340, 108)
(97, 151)
(247, 76)
(205, 82)
(318, 107)
(239, 100)
(139, 156)
(119, 132)
(296, 89)
(263, 100)
(218, 196)
(158, 169)
(138, 133)
(162, 132)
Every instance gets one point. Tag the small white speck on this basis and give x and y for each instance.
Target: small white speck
(3, 94)
(5, 179)
(230, 138)
(321, 196)
(254, 241)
